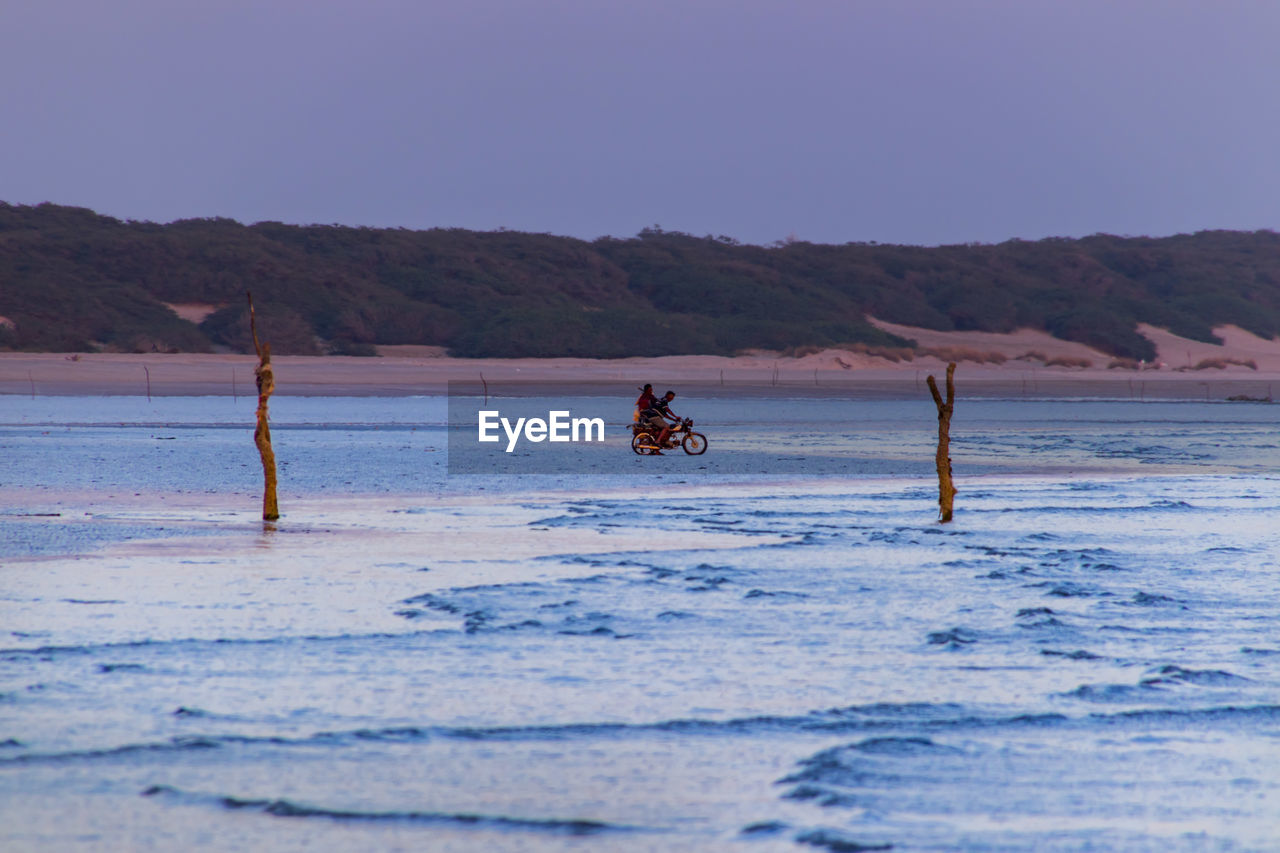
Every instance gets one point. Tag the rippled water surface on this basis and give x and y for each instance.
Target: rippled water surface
(686, 658)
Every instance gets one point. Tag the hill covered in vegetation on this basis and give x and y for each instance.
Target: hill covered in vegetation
(73, 280)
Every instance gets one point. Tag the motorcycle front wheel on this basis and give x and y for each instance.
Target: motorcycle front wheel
(695, 444)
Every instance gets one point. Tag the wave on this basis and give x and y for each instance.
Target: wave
(288, 808)
(1114, 692)
(778, 594)
(121, 667)
(19, 653)
(1154, 599)
(1078, 654)
(895, 724)
(1160, 681)
(955, 638)
(178, 744)
(1172, 674)
(837, 842)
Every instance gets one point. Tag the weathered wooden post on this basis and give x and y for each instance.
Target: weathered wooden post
(946, 489)
(262, 433)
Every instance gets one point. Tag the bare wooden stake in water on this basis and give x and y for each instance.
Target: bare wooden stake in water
(946, 489)
(262, 434)
(147, 371)
(486, 389)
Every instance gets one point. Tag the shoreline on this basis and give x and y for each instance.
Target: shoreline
(201, 375)
(1025, 363)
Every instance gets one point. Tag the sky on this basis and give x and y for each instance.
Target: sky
(903, 121)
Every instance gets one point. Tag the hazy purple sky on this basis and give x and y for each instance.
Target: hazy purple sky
(890, 120)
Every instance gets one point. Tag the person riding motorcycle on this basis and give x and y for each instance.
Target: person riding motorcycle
(657, 415)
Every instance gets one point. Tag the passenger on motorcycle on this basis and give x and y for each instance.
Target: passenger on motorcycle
(657, 415)
(645, 400)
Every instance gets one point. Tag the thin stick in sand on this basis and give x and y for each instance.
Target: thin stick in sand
(946, 488)
(262, 434)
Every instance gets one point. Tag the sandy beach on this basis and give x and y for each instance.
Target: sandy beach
(1250, 366)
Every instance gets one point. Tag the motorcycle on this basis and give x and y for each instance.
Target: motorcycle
(645, 443)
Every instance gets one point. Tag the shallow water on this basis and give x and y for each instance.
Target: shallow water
(1081, 661)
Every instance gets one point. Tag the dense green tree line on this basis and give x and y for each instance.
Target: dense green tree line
(72, 280)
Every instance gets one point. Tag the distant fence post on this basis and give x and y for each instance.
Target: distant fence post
(946, 488)
(262, 433)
